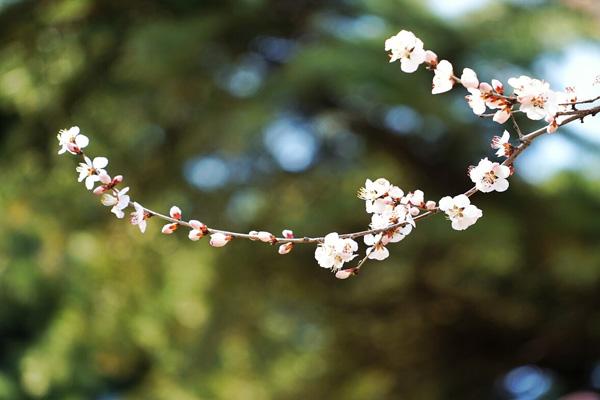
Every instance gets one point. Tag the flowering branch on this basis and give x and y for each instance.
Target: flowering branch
(394, 213)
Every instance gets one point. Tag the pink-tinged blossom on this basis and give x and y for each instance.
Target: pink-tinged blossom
(443, 79)
(139, 217)
(175, 213)
(198, 230)
(490, 176)
(469, 79)
(460, 211)
(108, 183)
(430, 205)
(219, 239)
(407, 48)
(91, 170)
(119, 201)
(71, 140)
(504, 148)
(335, 251)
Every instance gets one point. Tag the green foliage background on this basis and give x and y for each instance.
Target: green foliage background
(91, 309)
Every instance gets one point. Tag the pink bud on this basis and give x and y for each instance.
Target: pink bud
(72, 147)
(99, 190)
(199, 226)
(431, 58)
(286, 248)
(344, 273)
(169, 228)
(253, 235)
(288, 234)
(430, 205)
(266, 237)
(105, 178)
(117, 179)
(175, 212)
(219, 239)
(414, 211)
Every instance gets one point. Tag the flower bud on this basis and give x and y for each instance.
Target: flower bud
(285, 248)
(288, 234)
(169, 228)
(219, 239)
(345, 273)
(266, 237)
(430, 205)
(175, 212)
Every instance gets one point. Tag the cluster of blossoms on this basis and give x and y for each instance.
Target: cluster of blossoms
(535, 98)
(394, 213)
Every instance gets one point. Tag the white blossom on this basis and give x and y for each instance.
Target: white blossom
(91, 170)
(504, 148)
(139, 217)
(535, 96)
(71, 140)
(377, 249)
(335, 251)
(460, 211)
(407, 48)
(443, 79)
(118, 202)
(490, 176)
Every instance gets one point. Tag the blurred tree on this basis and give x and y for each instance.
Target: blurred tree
(270, 114)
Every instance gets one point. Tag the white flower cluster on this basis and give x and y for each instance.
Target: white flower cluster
(535, 98)
(389, 206)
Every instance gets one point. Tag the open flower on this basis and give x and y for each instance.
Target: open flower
(90, 170)
(502, 144)
(139, 217)
(119, 201)
(460, 211)
(175, 213)
(489, 176)
(335, 251)
(535, 96)
(377, 249)
(443, 79)
(407, 48)
(198, 230)
(71, 140)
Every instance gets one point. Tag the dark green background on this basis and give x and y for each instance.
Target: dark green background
(91, 309)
